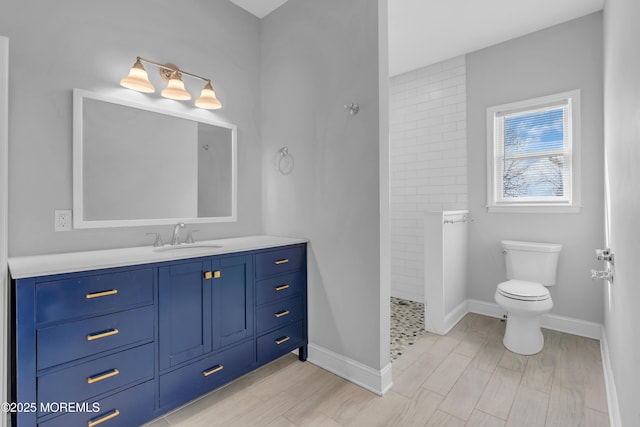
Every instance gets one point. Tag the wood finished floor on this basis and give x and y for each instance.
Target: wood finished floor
(466, 378)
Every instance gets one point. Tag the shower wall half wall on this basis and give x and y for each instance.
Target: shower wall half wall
(428, 163)
(445, 261)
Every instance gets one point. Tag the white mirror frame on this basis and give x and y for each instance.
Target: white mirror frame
(78, 179)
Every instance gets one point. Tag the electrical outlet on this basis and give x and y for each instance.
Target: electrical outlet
(62, 220)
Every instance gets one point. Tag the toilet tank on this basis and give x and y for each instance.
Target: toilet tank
(531, 261)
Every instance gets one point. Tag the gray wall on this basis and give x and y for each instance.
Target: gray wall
(92, 45)
(317, 57)
(622, 143)
(557, 59)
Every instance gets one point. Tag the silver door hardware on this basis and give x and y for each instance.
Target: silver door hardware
(602, 275)
(604, 255)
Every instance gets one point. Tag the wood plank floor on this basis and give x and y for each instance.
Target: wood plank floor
(466, 378)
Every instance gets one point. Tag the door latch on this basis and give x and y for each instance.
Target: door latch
(607, 256)
(604, 255)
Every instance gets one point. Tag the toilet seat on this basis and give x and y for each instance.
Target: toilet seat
(523, 290)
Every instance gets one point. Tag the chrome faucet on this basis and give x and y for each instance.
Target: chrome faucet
(175, 239)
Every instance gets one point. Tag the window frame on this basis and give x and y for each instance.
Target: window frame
(572, 201)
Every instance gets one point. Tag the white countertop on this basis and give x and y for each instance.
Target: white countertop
(44, 265)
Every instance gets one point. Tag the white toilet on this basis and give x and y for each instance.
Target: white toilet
(530, 268)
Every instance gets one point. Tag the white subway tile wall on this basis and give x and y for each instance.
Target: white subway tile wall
(428, 162)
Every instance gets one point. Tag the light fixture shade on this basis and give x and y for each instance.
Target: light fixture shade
(175, 89)
(138, 79)
(208, 98)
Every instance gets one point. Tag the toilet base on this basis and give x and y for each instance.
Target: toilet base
(523, 335)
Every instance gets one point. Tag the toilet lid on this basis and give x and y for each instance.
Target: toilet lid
(522, 290)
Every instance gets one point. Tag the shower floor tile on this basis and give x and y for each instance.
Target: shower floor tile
(407, 325)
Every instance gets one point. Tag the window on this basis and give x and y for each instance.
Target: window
(532, 152)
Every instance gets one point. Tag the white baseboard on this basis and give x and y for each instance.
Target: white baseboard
(554, 322)
(612, 394)
(454, 316)
(485, 308)
(376, 381)
(573, 326)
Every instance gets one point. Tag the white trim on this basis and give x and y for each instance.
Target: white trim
(4, 228)
(612, 394)
(554, 322)
(376, 381)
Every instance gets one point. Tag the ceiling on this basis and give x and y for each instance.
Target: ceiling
(423, 32)
(260, 8)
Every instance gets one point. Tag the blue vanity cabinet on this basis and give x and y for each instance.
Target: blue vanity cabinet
(140, 340)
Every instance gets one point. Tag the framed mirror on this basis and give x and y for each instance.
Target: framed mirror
(136, 164)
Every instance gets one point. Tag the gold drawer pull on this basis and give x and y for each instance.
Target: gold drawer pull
(100, 420)
(101, 294)
(213, 370)
(282, 313)
(281, 261)
(281, 287)
(282, 340)
(104, 334)
(104, 376)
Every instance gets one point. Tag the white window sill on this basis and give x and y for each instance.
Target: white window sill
(547, 209)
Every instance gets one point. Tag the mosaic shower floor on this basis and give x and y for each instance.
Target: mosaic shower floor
(407, 325)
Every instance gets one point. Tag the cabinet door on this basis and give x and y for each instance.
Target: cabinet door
(185, 312)
(232, 300)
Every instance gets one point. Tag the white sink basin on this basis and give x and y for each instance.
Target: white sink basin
(184, 246)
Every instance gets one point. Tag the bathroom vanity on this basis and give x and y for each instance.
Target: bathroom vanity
(119, 337)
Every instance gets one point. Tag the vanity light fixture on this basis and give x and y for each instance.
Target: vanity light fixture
(139, 80)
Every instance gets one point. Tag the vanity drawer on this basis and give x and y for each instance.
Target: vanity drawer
(98, 376)
(279, 261)
(280, 342)
(59, 344)
(130, 407)
(279, 313)
(91, 295)
(279, 287)
(185, 384)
